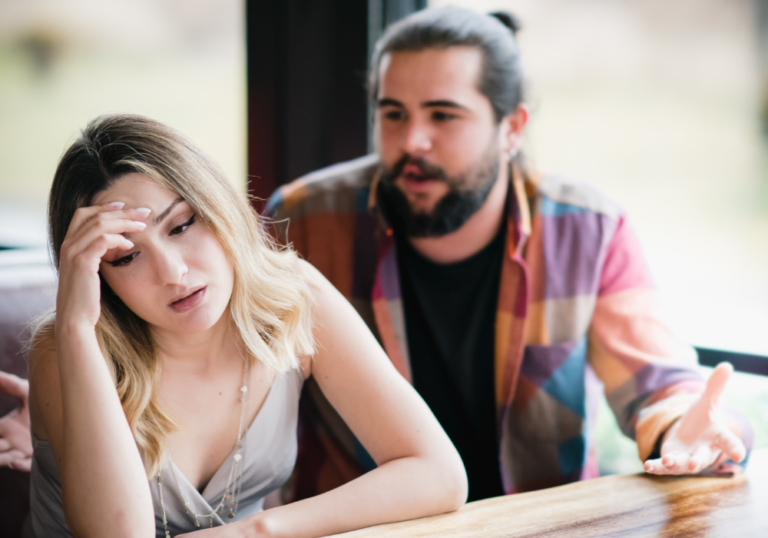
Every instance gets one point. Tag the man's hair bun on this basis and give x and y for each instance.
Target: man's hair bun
(508, 19)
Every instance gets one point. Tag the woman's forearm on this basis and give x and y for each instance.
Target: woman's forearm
(401, 489)
(104, 486)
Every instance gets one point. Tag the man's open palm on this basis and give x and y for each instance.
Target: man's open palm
(701, 438)
(15, 441)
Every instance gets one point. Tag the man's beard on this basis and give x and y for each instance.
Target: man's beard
(468, 192)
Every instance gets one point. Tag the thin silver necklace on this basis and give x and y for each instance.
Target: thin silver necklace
(231, 497)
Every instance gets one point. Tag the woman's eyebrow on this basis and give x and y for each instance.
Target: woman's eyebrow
(167, 210)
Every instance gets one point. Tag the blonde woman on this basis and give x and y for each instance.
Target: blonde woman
(164, 392)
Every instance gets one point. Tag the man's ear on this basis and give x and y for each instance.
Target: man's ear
(512, 129)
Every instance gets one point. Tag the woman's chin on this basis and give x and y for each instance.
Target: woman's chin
(190, 323)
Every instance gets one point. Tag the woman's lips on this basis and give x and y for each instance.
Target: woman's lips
(189, 302)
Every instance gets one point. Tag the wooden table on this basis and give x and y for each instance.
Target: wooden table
(618, 506)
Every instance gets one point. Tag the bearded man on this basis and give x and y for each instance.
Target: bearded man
(507, 299)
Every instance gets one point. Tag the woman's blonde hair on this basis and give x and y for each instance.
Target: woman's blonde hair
(270, 305)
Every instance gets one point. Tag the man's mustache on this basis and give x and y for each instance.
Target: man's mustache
(428, 170)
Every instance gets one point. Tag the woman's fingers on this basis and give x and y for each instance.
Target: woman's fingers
(84, 214)
(104, 236)
(89, 253)
(4, 445)
(103, 213)
(128, 221)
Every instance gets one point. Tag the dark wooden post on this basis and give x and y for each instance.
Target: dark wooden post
(306, 62)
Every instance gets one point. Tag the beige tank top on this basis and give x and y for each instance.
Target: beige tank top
(269, 459)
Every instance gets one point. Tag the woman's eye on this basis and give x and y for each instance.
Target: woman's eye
(125, 260)
(182, 227)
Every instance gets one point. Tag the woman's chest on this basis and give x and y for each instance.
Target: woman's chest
(212, 418)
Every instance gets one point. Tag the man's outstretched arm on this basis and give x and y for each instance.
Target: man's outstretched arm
(15, 440)
(704, 436)
(653, 382)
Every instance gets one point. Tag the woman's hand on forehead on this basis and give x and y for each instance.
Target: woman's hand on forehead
(92, 233)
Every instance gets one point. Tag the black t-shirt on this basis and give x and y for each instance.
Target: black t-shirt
(450, 315)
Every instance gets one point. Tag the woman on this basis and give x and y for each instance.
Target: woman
(164, 394)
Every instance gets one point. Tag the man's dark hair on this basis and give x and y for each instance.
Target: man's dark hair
(501, 76)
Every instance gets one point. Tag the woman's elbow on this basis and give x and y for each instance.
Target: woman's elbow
(458, 489)
(453, 483)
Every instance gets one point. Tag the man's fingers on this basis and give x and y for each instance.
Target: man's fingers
(14, 385)
(11, 456)
(731, 445)
(654, 466)
(662, 466)
(702, 457)
(22, 465)
(716, 383)
(674, 463)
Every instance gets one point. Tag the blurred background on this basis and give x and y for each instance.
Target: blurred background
(63, 63)
(659, 103)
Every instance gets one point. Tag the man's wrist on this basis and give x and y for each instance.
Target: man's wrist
(656, 452)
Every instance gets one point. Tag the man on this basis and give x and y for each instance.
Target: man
(499, 294)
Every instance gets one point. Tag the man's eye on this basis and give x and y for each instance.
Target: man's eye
(125, 260)
(182, 227)
(442, 116)
(393, 115)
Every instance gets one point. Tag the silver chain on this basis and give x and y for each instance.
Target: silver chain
(234, 480)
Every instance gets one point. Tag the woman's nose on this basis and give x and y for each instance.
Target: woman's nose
(171, 267)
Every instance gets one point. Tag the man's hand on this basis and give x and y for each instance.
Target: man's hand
(701, 438)
(15, 440)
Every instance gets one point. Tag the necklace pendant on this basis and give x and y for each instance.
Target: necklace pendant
(197, 522)
(231, 515)
(238, 457)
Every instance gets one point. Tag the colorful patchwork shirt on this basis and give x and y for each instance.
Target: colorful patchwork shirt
(576, 316)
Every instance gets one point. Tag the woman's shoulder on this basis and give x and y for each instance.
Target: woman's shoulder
(44, 383)
(319, 285)
(42, 344)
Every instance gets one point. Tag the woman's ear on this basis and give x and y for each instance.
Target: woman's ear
(512, 129)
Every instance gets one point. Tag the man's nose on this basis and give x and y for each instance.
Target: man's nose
(417, 139)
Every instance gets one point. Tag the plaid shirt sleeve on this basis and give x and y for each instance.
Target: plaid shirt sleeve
(650, 378)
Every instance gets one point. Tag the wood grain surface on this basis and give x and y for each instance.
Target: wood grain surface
(616, 506)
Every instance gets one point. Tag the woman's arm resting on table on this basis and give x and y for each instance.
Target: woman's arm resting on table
(702, 437)
(419, 472)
